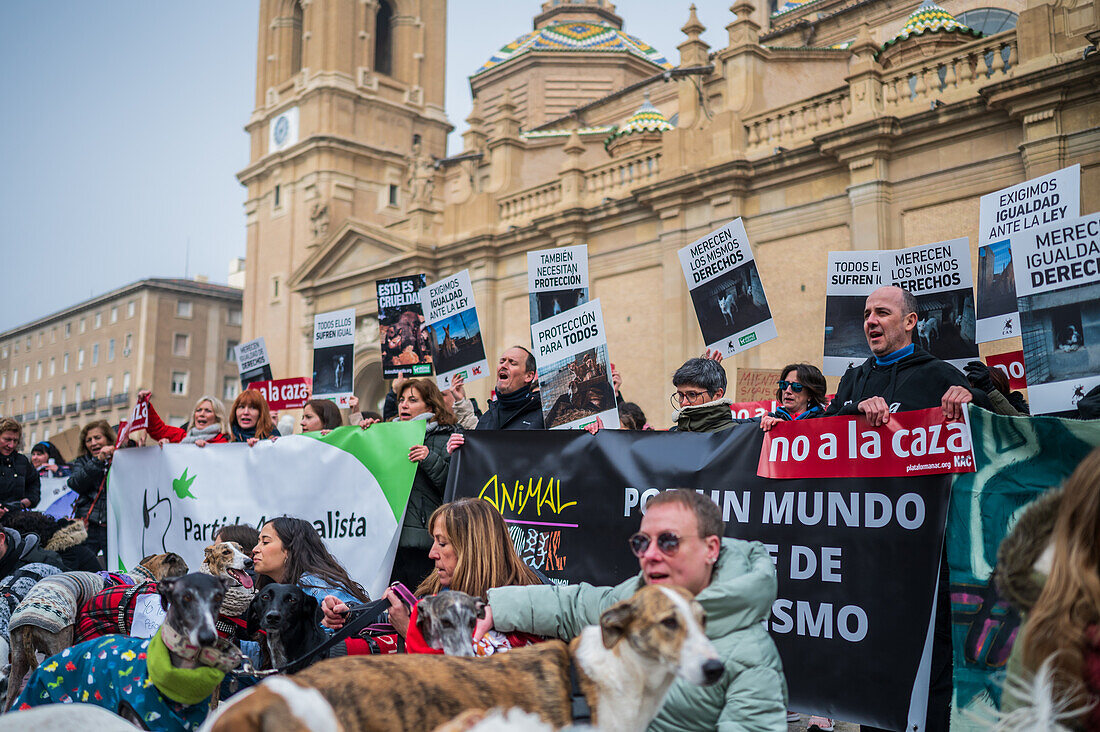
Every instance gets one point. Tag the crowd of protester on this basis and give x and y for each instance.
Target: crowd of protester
(465, 545)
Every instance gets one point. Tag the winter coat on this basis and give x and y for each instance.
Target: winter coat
(715, 416)
(752, 693)
(917, 381)
(87, 477)
(427, 488)
(18, 479)
(158, 430)
(68, 542)
(20, 551)
(528, 416)
(811, 413)
(240, 434)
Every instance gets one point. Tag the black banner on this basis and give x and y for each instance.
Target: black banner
(857, 558)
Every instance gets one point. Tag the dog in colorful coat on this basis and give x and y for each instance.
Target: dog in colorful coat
(164, 682)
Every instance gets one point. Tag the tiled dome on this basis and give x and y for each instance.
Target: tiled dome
(646, 119)
(930, 18)
(576, 36)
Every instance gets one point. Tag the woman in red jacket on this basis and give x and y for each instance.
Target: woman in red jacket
(208, 423)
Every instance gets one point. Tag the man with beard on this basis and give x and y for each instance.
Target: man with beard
(516, 406)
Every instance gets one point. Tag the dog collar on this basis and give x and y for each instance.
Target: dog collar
(223, 655)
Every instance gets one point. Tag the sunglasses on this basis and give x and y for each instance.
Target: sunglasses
(667, 542)
(795, 386)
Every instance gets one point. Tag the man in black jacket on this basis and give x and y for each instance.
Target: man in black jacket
(516, 406)
(17, 551)
(19, 484)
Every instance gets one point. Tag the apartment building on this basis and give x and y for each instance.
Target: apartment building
(87, 362)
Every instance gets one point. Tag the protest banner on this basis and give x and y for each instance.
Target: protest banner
(857, 559)
(1019, 460)
(334, 355)
(56, 499)
(939, 276)
(175, 498)
(852, 276)
(1001, 215)
(726, 290)
(911, 443)
(138, 420)
(1011, 365)
(405, 346)
(285, 393)
(757, 384)
(253, 363)
(454, 332)
(557, 280)
(754, 409)
(574, 368)
(1058, 295)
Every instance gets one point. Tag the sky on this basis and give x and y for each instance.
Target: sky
(123, 130)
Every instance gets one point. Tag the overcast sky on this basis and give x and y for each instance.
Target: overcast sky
(122, 131)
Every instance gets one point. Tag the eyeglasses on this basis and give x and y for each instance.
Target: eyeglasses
(795, 386)
(680, 398)
(667, 542)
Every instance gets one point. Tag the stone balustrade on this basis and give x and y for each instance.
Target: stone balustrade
(952, 76)
(618, 176)
(799, 122)
(530, 202)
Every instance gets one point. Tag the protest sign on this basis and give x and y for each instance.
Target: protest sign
(1003, 214)
(852, 277)
(757, 384)
(857, 559)
(252, 362)
(751, 410)
(557, 280)
(139, 420)
(405, 347)
(454, 332)
(911, 443)
(176, 498)
(56, 499)
(1011, 365)
(285, 393)
(726, 290)
(334, 355)
(1058, 294)
(939, 276)
(1020, 459)
(574, 369)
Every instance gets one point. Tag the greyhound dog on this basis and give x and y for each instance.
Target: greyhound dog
(928, 330)
(625, 667)
(291, 621)
(117, 672)
(728, 305)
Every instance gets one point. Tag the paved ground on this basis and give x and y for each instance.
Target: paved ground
(837, 727)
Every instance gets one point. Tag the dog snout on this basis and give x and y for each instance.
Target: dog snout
(248, 562)
(207, 637)
(272, 618)
(712, 671)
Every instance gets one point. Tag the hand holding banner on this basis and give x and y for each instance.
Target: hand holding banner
(139, 420)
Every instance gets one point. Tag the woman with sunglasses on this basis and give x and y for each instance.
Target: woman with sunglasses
(801, 395)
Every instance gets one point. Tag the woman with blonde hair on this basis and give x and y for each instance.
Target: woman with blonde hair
(208, 423)
(1049, 568)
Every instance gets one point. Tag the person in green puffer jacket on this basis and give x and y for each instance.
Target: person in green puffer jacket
(700, 396)
(421, 399)
(680, 543)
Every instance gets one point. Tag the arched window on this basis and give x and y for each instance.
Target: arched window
(383, 39)
(296, 39)
(989, 21)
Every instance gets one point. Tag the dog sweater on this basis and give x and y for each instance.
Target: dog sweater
(109, 672)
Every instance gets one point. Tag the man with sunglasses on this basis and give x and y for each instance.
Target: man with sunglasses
(680, 543)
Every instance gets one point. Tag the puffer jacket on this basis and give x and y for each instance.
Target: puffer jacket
(713, 416)
(427, 487)
(87, 477)
(752, 693)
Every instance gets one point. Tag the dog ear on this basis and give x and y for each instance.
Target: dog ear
(164, 589)
(480, 603)
(424, 619)
(312, 609)
(614, 622)
(252, 616)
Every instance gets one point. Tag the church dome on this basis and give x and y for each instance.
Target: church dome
(576, 35)
(647, 122)
(930, 18)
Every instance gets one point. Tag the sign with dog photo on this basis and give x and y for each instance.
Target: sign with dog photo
(574, 369)
(454, 334)
(1001, 215)
(174, 499)
(852, 276)
(334, 355)
(726, 290)
(1058, 295)
(857, 559)
(405, 347)
(557, 280)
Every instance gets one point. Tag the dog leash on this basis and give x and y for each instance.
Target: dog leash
(578, 701)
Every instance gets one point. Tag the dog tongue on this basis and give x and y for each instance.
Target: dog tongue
(242, 577)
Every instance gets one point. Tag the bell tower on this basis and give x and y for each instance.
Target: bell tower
(347, 123)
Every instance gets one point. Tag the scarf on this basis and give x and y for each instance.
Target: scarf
(207, 433)
(895, 356)
(183, 685)
(514, 400)
(240, 434)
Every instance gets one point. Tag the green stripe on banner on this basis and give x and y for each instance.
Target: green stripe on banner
(1017, 459)
(383, 449)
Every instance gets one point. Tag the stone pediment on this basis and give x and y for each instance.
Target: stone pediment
(356, 248)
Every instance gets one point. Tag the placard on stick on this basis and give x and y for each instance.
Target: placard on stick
(757, 384)
(454, 332)
(334, 355)
(557, 280)
(405, 346)
(253, 363)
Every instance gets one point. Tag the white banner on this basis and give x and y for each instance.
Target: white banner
(574, 369)
(1058, 294)
(175, 498)
(726, 290)
(453, 329)
(334, 355)
(557, 280)
(1002, 215)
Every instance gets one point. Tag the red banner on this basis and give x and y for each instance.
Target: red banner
(285, 393)
(139, 420)
(748, 410)
(1012, 366)
(911, 443)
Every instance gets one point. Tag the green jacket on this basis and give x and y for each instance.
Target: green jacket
(751, 695)
(713, 416)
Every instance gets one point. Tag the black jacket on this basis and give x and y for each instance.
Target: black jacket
(917, 381)
(528, 416)
(427, 489)
(87, 477)
(23, 550)
(18, 479)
